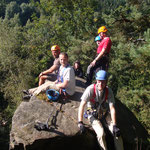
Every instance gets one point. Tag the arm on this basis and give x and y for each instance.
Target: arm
(62, 85)
(50, 70)
(99, 56)
(116, 131)
(113, 114)
(81, 110)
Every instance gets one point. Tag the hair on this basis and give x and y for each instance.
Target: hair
(77, 62)
(64, 54)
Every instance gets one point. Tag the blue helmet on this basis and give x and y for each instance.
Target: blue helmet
(52, 94)
(101, 75)
(97, 38)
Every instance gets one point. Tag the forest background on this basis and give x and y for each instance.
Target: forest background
(28, 28)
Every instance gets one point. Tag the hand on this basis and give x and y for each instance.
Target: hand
(40, 74)
(56, 82)
(116, 131)
(81, 127)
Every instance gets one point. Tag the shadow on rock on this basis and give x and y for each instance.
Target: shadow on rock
(133, 133)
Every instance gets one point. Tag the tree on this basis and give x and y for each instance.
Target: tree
(12, 9)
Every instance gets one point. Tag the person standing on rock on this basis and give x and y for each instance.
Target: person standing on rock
(51, 73)
(100, 110)
(65, 80)
(102, 57)
(98, 40)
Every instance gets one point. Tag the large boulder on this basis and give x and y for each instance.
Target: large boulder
(62, 123)
(63, 131)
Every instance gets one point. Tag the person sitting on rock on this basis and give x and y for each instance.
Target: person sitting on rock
(77, 69)
(51, 73)
(65, 80)
(100, 109)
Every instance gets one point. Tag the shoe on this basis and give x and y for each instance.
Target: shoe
(26, 97)
(26, 92)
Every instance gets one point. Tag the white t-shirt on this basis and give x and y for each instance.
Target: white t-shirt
(69, 75)
(100, 96)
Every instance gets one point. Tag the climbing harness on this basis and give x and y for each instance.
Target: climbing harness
(94, 95)
(96, 108)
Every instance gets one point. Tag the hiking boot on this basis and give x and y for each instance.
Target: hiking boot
(26, 92)
(26, 97)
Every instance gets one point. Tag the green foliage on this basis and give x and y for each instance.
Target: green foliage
(131, 72)
(22, 10)
(12, 9)
(13, 68)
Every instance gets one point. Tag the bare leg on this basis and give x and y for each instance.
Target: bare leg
(42, 88)
(42, 79)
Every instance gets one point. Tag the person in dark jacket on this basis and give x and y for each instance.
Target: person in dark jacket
(78, 69)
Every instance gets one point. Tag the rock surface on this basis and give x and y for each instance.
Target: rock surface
(64, 132)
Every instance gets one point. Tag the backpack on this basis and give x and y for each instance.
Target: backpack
(94, 111)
